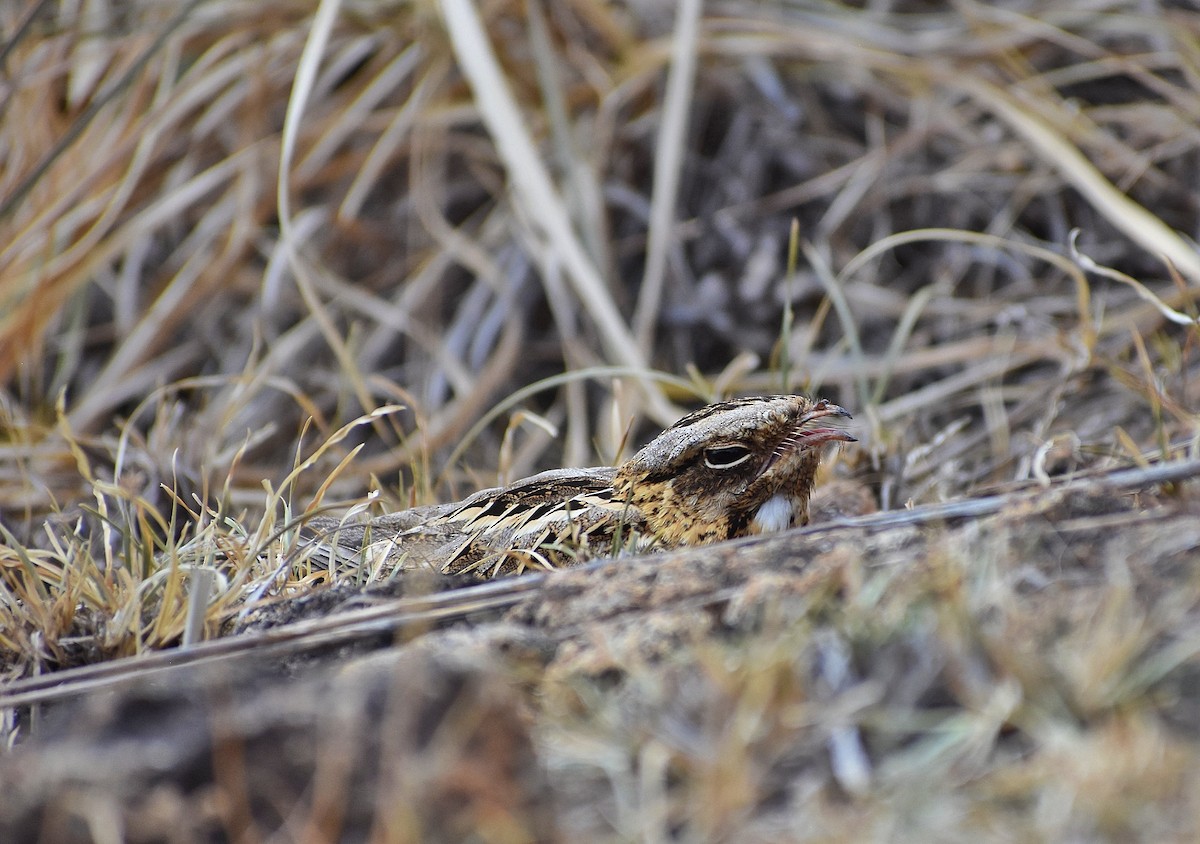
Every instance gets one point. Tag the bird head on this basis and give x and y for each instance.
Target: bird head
(731, 469)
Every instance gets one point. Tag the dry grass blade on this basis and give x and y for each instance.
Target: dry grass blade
(540, 202)
(1143, 293)
(1140, 224)
(668, 166)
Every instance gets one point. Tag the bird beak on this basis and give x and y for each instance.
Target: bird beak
(810, 437)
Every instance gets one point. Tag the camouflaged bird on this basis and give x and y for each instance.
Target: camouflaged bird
(731, 469)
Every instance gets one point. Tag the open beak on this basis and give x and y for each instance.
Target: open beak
(804, 437)
(810, 437)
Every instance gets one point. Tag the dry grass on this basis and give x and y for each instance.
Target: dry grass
(501, 239)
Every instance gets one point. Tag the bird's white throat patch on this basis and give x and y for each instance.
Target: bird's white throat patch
(775, 515)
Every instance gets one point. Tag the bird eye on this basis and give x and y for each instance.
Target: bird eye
(725, 456)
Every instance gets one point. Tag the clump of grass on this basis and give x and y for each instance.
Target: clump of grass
(125, 579)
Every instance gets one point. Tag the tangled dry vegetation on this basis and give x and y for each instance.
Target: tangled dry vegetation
(515, 236)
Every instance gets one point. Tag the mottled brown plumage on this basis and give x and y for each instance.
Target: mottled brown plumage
(731, 469)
